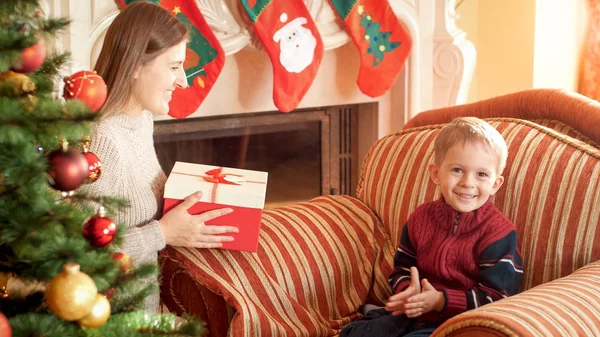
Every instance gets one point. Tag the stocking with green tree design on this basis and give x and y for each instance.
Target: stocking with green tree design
(290, 37)
(204, 57)
(383, 42)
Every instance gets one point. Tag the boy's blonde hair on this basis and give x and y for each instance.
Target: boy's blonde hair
(464, 129)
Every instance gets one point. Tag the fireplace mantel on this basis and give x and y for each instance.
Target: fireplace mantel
(437, 74)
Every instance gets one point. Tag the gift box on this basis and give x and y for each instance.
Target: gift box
(241, 190)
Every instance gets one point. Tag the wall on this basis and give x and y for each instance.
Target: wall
(523, 44)
(468, 22)
(560, 32)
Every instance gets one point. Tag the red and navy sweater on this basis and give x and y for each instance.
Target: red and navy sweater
(472, 258)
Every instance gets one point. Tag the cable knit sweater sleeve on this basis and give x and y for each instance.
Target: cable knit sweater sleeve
(143, 237)
(404, 258)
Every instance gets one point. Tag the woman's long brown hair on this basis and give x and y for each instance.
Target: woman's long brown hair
(140, 33)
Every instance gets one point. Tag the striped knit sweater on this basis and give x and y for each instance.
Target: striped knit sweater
(131, 171)
(472, 258)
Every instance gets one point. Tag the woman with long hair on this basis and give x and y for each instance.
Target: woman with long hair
(141, 62)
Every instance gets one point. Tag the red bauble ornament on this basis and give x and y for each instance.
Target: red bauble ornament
(94, 164)
(68, 168)
(86, 86)
(32, 58)
(123, 261)
(99, 230)
(5, 329)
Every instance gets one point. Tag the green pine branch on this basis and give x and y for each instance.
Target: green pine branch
(16, 35)
(53, 64)
(8, 58)
(133, 324)
(46, 124)
(131, 289)
(111, 204)
(143, 324)
(43, 325)
(8, 7)
(21, 29)
(40, 229)
(53, 26)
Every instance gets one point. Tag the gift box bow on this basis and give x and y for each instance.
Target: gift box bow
(216, 177)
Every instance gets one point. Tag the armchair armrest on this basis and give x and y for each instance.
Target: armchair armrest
(314, 267)
(181, 294)
(569, 306)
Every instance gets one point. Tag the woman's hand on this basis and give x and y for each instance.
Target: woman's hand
(180, 228)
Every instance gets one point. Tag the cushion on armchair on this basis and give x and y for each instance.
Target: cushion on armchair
(313, 269)
(566, 130)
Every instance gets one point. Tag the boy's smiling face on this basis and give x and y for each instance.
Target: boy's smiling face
(467, 176)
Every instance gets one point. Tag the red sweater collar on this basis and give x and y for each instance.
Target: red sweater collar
(468, 220)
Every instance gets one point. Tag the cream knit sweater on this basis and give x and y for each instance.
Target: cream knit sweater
(130, 170)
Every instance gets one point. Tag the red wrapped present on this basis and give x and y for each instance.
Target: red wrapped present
(241, 190)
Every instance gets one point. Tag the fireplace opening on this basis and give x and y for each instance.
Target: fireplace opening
(307, 153)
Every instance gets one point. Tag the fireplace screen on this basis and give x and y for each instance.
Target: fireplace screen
(306, 153)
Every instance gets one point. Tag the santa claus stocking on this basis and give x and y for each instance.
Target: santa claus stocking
(290, 37)
(383, 42)
(204, 57)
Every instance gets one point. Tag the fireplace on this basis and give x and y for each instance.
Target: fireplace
(308, 153)
(437, 74)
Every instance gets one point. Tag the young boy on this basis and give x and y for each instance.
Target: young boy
(456, 253)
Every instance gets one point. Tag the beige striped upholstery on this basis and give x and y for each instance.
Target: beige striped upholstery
(312, 271)
(567, 307)
(566, 130)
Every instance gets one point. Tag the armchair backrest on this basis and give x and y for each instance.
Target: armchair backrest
(551, 190)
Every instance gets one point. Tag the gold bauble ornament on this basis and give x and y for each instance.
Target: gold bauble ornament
(98, 315)
(71, 294)
(4, 278)
(20, 83)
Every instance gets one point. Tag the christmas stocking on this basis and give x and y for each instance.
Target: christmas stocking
(290, 37)
(204, 57)
(383, 42)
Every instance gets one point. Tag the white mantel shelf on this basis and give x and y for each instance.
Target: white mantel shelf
(438, 71)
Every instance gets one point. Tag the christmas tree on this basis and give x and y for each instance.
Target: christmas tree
(379, 42)
(60, 272)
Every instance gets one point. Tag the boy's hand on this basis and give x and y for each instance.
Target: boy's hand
(397, 302)
(430, 299)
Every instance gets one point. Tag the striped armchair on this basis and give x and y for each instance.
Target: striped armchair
(319, 261)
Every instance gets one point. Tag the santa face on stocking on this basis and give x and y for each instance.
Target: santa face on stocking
(296, 44)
